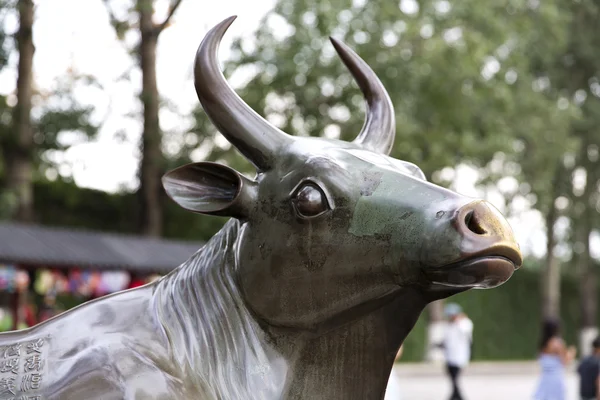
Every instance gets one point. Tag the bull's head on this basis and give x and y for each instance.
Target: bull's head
(331, 225)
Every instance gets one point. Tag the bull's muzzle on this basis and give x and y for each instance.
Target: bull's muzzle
(489, 253)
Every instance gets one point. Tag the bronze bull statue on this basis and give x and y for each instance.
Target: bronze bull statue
(333, 251)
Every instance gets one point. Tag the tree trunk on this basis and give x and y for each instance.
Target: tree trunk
(151, 163)
(551, 277)
(587, 288)
(588, 293)
(435, 331)
(19, 175)
(587, 280)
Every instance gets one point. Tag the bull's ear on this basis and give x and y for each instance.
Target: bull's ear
(210, 188)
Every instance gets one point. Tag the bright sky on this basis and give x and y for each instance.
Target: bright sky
(76, 34)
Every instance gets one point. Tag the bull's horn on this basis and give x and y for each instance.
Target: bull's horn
(253, 136)
(379, 130)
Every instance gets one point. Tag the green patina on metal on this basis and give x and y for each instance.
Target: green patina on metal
(398, 202)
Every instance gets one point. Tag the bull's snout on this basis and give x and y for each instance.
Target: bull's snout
(487, 253)
(485, 231)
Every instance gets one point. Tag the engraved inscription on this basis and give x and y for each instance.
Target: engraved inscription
(35, 346)
(36, 397)
(14, 350)
(31, 382)
(22, 369)
(33, 363)
(7, 385)
(10, 365)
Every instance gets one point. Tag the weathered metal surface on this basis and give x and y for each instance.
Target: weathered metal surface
(307, 293)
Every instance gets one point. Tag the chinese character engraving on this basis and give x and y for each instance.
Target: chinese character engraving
(35, 346)
(7, 385)
(31, 382)
(36, 397)
(14, 350)
(33, 363)
(10, 365)
(17, 381)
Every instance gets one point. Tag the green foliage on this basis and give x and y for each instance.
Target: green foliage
(57, 114)
(203, 136)
(6, 200)
(121, 22)
(458, 73)
(5, 42)
(415, 342)
(62, 203)
(61, 114)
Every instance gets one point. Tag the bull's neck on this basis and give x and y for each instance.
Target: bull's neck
(224, 353)
(354, 361)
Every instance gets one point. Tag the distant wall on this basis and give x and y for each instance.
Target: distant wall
(506, 319)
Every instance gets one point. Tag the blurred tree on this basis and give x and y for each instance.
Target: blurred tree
(6, 200)
(459, 74)
(576, 73)
(152, 164)
(26, 138)
(19, 171)
(559, 170)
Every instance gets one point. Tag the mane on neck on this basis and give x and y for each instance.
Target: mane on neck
(214, 339)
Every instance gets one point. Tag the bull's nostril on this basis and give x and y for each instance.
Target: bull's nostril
(473, 223)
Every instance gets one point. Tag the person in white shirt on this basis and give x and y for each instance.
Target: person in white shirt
(457, 345)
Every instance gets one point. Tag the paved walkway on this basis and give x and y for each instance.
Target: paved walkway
(481, 381)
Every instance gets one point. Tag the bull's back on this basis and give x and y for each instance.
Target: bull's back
(110, 348)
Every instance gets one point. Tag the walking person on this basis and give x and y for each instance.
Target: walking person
(554, 356)
(589, 374)
(457, 345)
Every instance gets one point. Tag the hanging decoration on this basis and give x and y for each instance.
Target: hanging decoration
(13, 279)
(78, 282)
(112, 281)
(75, 281)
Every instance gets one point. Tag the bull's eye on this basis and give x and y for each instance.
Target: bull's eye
(310, 201)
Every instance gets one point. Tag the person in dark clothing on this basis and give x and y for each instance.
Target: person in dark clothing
(589, 374)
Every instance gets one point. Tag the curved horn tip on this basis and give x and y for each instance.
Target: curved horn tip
(226, 23)
(221, 27)
(212, 39)
(338, 44)
(379, 130)
(229, 20)
(347, 55)
(251, 134)
(210, 43)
